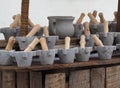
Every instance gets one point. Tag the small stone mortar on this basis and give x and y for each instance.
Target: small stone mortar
(24, 59)
(105, 52)
(5, 57)
(83, 54)
(46, 57)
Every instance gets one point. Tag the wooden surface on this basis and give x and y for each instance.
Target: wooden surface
(79, 79)
(118, 17)
(97, 77)
(113, 77)
(37, 66)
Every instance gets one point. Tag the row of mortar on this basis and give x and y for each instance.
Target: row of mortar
(92, 35)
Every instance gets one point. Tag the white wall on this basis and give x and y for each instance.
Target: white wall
(40, 9)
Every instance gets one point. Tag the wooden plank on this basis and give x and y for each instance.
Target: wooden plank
(79, 79)
(113, 77)
(8, 79)
(118, 17)
(98, 78)
(37, 67)
(35, 80)
(0, 79)
(56, 80)
(22, 80)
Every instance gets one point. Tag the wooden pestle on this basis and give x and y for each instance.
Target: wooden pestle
(43, 43)
(115, 15)
(92, 18)
(32, 45)
(82, 41)
(86, 28)
(79, 21)
(30, 23)
(10, 43)
(94, 13)
(98, 41)
(15, 22)
(106, 27)
(45, 31)
(35, 29)
(67, 42)
(102, 19)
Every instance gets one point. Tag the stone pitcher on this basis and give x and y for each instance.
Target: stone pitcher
(61, 26)
(83, 54)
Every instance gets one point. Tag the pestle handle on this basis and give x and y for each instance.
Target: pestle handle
(67, 42)
(32, 45)
(10, 43)
(98, 41)
(15, 22)
(106, 27)
(79, 21)
(45, 30)
(115, 15)
(86, 28)
(35, 29)
(82, 41)
(30, 23)
(102, 19)
(92, 18)
(94, 13)
(43, 43)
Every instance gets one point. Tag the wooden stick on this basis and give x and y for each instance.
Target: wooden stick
(102, 19)
(67, 42)
(32, 45)
(86, 28)
(35, 29)
(98, 41)
(82, 41)
(45, 30)
(43, 43)
(106, 27)
(115, 15)
(10, 43)
(15, 22)
(30, 23)
(79, 21)
(92, 18)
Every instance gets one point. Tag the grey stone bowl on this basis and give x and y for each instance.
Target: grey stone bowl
(24, 59)
(67, 55)
(46, 57)
(51, 41)
(23, 42)
(107, 38)
(105, 52)
(89, 41)
(78, 30)
(6, 57)
(95, 28)
(83, 54)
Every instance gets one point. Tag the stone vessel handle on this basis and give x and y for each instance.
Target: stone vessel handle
(34, 30)
(98, 41)
(43, 43)
(102, 19)
(79, 21)
(86, 28)
(92, 18)
(67, 42)
(32, 45)
(10, 43)
(106, 27)
(45, 31)
(82, 41)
